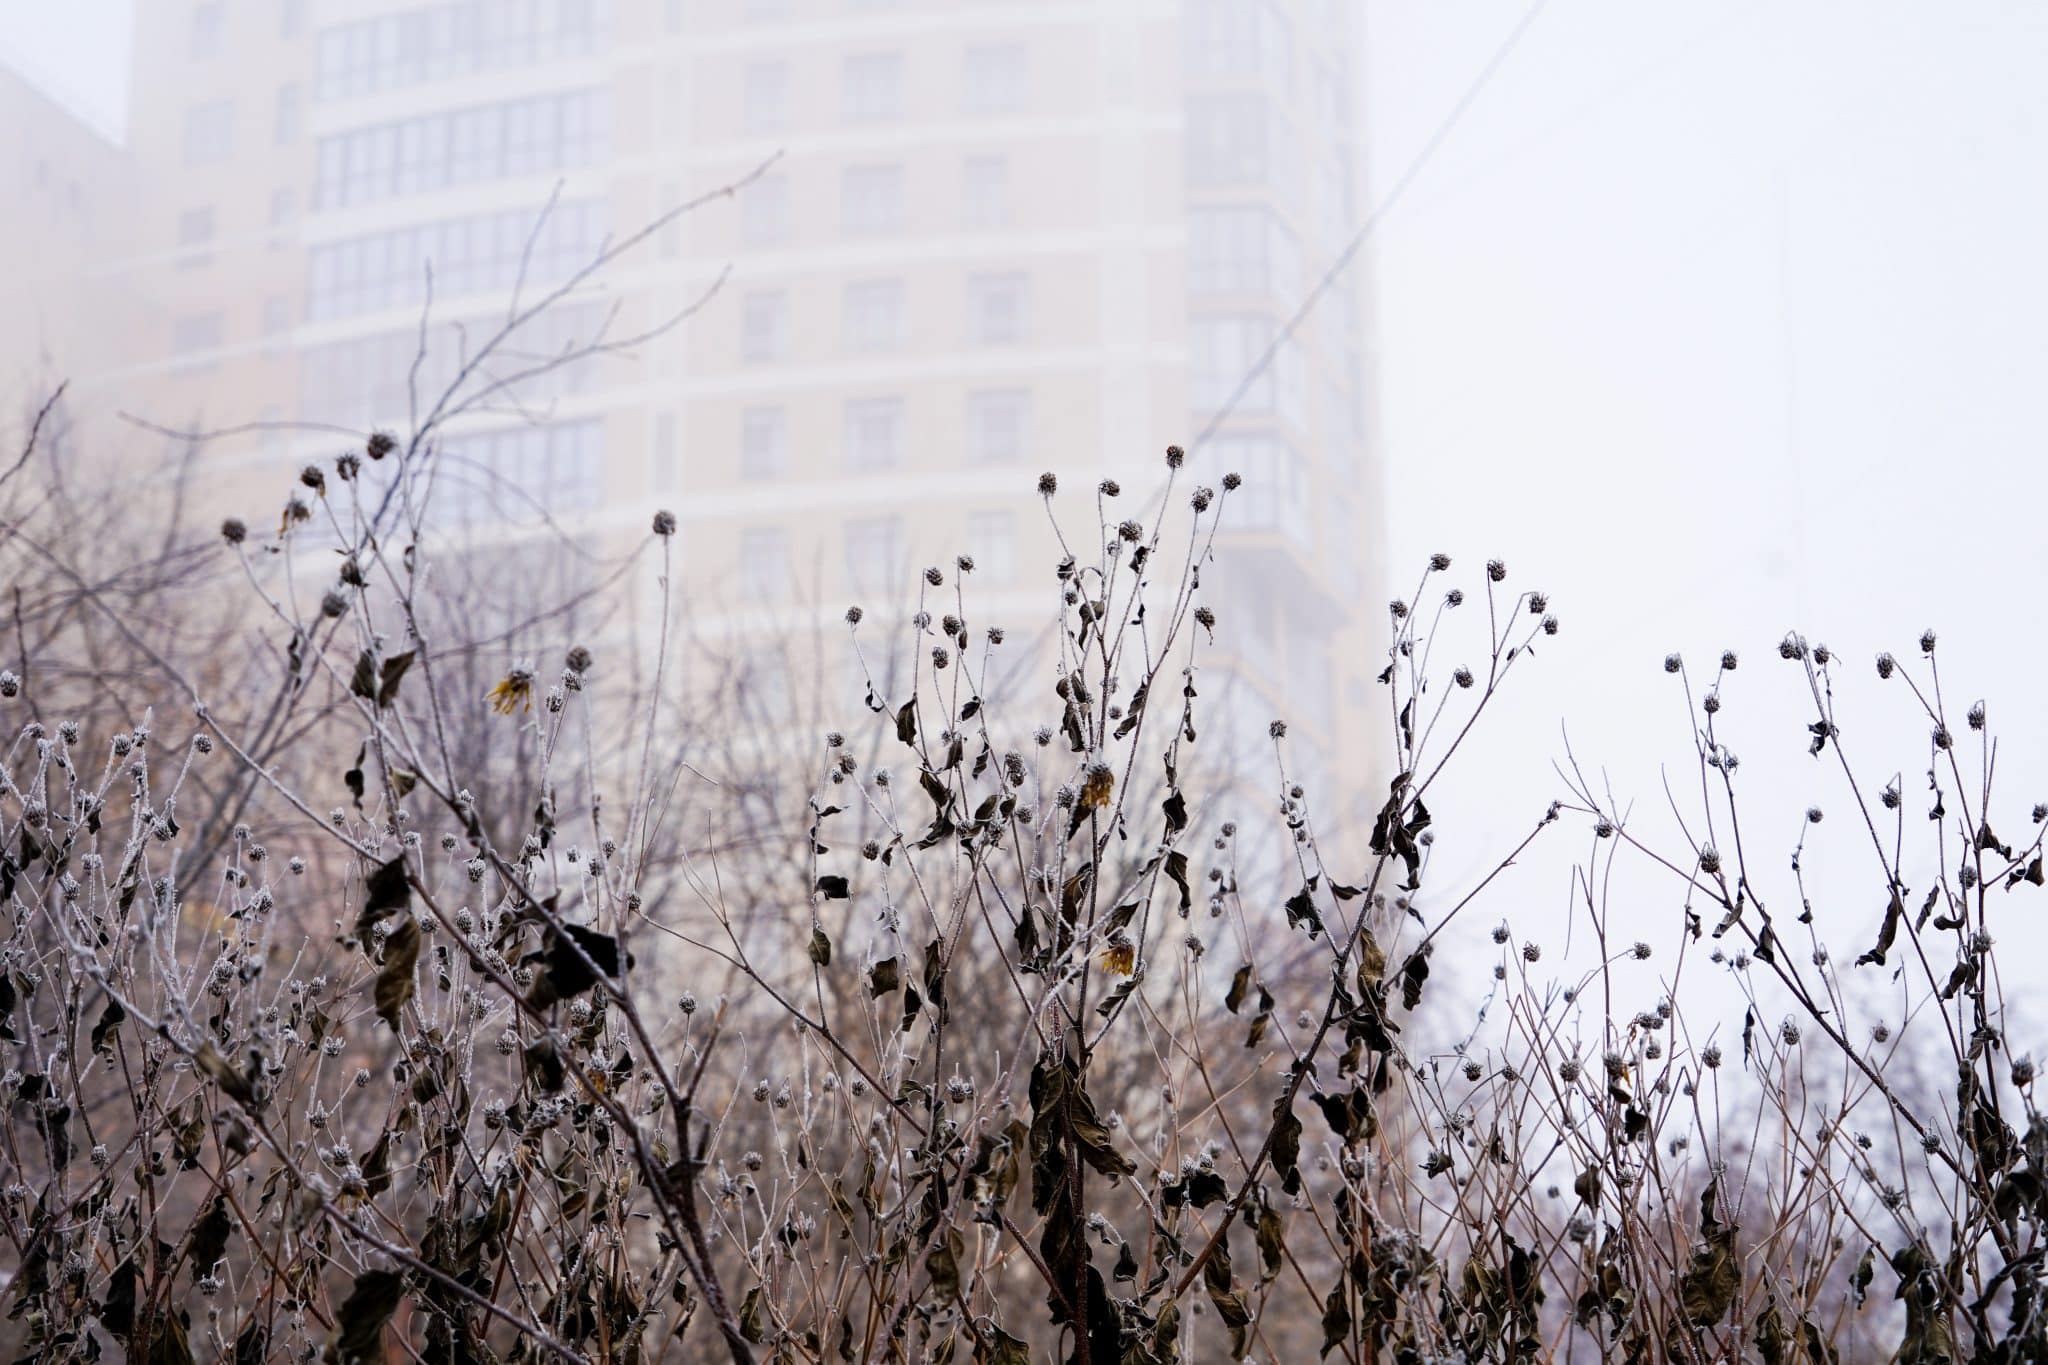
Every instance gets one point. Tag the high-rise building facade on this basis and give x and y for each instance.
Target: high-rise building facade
(974, 240)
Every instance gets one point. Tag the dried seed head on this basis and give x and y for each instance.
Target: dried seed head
(1439, 562)
(1496, 570)
(234, 530)
(1813, 815)
(1174, 456)
(1976, 716)
(964, 563)
(1728, 660)
(1048, 483)
(664, 522)
(1710, 861)
(1109, 488)
(1927, 642)
(853, 615)
(1462, 677)
(1232, 482)
(933, 576)
(1201, 498)
(381, 443)
(1885, 665)
(1277, 729)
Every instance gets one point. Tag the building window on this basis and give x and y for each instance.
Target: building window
(992, 540)
(985, 192)
(765, 216)
(1234, 140)
(667, 464)
(277, 325)
(765, 97)
(998, 425)
(872, 87)
(993, 78)
(872, 315)
(874, 553)
(477, 253)
(871, 199)
(207, 27)
(874, 432)
(284, 206)
(291, 18)
(523, 471)
(366, 378)
(290, 104)
(1242, 250)
(196, 334)
(998, 308)
(209, 133)
(195, 233)
(463, 146)
(1275, 496)
(1226, 352)
(452, 38)
(764, 326)
(1240, 38)
(764, 563)
(764, 444)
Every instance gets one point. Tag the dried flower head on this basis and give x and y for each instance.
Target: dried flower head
(514, 692)
(234, 530)
(381, 443)
(1048, 483)
(664, 522)
(1174, 456)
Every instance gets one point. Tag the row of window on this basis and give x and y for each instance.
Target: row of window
(552, 132)
(872, 201)
(876, 554)
(366, 381)
(392, 51)
(468, 255)
(994, 79)
(508, 475)
(872, 316)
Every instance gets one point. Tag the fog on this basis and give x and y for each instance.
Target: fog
(1713, 322)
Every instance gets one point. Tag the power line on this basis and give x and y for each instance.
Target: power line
(1372, 221)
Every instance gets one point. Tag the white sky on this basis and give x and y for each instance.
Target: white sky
(1715, 321)
(76, 50)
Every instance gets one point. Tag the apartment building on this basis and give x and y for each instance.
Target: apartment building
(974, 240)
(72, 214)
